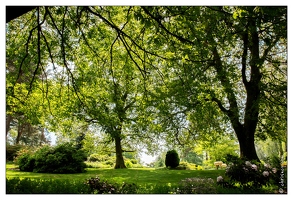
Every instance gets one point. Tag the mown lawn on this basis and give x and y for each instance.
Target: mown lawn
(148, 181)
(139, 176)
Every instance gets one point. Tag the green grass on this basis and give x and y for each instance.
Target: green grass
(139, 176)
(148, 180)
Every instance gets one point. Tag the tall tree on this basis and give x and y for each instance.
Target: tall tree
(221, 55)
(106, 85)
(212, 64)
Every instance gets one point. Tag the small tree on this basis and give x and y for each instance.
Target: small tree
(172, 159)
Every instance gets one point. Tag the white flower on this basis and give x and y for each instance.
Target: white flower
(254, 167)
(219, 179)
(267, 165)
(247, 163)
(274, 170)
(265, 173)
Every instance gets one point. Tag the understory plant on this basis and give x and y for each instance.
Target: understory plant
(196, 186)
(250, 175)
(98, 186)
(63, 158)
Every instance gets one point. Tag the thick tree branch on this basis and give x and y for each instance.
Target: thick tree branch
(244, 57)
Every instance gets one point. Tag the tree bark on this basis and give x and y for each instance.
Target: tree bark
(19, 133)
(119, 156)
(244, 131)
(247, 145)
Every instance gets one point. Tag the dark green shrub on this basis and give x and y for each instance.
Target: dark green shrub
(250, 175)
(101, 187)
(64, 158)
(25, 160)
(26, 163)
(97, 186)
(172, 159)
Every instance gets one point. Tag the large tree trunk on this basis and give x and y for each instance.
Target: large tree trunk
(119, 156)
(244, 131)
(247, 146)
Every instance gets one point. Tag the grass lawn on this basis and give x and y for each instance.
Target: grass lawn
(139, 176)
(148, 180)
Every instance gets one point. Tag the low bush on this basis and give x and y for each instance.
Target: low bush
(101, 187)
(98, 158)
(198, 167)
(25, 160)
(97, 186)
(63, 158)
(251, 175)
(196, 186)
(97, 165)
(128, 164)
(137, 166)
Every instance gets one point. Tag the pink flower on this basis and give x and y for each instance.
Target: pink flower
(219, 179)
(265, 173)
(254, 167)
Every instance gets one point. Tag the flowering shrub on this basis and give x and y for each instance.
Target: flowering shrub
(220, 179)
(100, 187)
(25, 160)
(103, 187)
(196, 186)
(249, 174)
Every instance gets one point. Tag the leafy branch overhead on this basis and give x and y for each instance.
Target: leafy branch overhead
(152, 73)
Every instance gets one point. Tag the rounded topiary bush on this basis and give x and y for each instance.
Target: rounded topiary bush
(172, 159)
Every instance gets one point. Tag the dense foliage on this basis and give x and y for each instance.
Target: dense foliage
(172, 159)
(253, 175)
(64, 158)
(144, 76)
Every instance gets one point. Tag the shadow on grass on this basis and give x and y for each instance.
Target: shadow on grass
(139, 176)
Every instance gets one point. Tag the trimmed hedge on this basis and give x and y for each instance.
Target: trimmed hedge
(172, 159)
